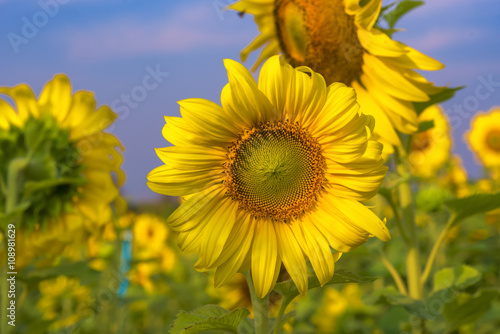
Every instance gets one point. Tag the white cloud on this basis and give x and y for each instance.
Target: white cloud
(189, 28)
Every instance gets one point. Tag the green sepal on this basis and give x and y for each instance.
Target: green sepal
(207, 318)
(425, 125)
(288, 289)
(402, 8)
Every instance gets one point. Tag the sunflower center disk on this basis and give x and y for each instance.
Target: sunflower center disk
(421, 141)
(493, 140)
(275, 170)
(319, 34)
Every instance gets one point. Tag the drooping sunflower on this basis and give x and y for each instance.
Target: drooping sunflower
(70, 167)
(275, 175)
(430, 149)
(340, 40)
(484, 138)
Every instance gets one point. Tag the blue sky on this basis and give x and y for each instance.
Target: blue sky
(110, 47)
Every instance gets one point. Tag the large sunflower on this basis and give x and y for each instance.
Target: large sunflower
(484, 137)
(276, 175)
(70, 167)
(339, 39)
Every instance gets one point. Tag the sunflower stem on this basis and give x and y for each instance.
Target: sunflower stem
(260, 308)
(394, 273)
(13, 180)
(413, 265)
(435, 249)
(277, 325)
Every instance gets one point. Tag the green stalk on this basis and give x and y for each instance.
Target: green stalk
(13, 180)
(4, 286)
(435, 249)
(281, 312)
(413, 266)
(260, 308)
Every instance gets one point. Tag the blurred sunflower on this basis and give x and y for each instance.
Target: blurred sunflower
(64, 301)
(67, 162)
(149, 232)
(151, 253)
(276, 175)
(339, 39)
(430, 149)
(484, 137)
(456, 178)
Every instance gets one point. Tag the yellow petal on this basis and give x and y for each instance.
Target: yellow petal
(56, 97)
(247, 99)
(174, 182)
(379, 44)
(193, 156)
(208, 118)
(292, 256)
(235, 251)
(368, 14)
(316, 248)
(392, 80)
(264, 257)
(181, 220)
(8, 116)
(220, 225)
(24, 99)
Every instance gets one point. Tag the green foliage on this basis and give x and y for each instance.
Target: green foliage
(425, 125)
(445, 95)
(466, 308)
(390, 295)
(474, 204)
(402, 8)
(459, 277)
(207, 318)
(80, 269)
(288, 289)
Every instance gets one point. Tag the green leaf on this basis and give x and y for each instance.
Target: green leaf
(474, 204)
(34, 186)
(425, 125)
(446, 94)
(466, 309)
(80, 269)
(460, 277)
(289, 290)
(207, 318)
(401, 9)
(9, 217)
(390, 295)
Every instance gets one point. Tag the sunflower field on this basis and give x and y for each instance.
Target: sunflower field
(250, 166)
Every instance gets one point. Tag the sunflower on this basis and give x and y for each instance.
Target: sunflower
(430, 149)
(340, 40)
(276, 175)
(70, 166)
(149, 232)
(484, 138)
(64, 301)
